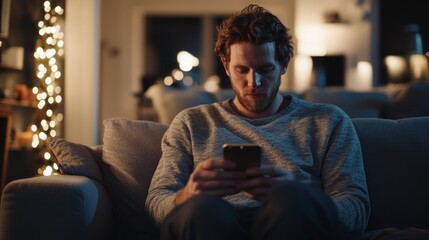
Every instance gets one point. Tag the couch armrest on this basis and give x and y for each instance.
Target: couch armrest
(62, 206)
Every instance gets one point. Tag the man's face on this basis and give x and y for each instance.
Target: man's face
(255, 77)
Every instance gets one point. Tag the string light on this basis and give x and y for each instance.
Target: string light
(48, 52)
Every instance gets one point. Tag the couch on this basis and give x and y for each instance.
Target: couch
(392, 101)
(101, 190)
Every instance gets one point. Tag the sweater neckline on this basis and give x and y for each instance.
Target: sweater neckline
(291, 103)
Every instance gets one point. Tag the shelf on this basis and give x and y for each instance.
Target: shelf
(7, 67)
(16, 103)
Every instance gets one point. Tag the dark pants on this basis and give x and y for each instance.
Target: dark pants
(292, 211)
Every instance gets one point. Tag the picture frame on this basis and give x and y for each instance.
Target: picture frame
(4, 18)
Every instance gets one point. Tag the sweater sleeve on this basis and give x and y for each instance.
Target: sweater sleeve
(172, 172)
(343, 176)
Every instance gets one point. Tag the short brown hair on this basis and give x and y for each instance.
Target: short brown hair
(255, 25)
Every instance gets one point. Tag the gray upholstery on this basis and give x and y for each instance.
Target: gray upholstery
(355, 104)
(58, 207)
(131, 150)
(408, 100)
(396, 158)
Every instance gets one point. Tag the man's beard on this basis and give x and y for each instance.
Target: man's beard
(261, 104)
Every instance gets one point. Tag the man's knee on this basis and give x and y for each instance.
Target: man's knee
(295, 196)
(295, 209)
(204, 211)
(202, 217)
(204, 207)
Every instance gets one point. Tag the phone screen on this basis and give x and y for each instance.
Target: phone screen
(244, 155)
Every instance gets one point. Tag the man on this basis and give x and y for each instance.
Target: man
(311, 183)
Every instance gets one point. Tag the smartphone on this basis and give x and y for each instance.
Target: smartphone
(244, 155)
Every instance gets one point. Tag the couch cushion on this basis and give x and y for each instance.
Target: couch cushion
(168, 101)
(355, 104)
(131, 151)
(396, 158)
(75, 159)
(408, 100)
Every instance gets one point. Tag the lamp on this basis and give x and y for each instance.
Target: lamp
(413, 65)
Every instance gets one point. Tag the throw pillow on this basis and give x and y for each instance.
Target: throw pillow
(75, 159)
(131, 151)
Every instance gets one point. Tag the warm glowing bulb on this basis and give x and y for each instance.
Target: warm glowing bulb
(52, 61)
(168, 81)
(177, 74)
(50, 89)
(40, 75)
(57, 74)
(40, 67)
(47, 171)
(57, 90)
(41, 104)
(35, 143)
(48, 80)
(59, 117)
(43, 136)
(59, 10)
(53, 133)
(188, 81)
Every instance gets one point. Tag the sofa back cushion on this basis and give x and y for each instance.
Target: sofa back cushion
(396, 158)
(369, 104)
(408, 100)
(131, 151)
(168, 101)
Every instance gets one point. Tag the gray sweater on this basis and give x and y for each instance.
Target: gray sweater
(316, 142)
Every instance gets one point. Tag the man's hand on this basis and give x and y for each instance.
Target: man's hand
(212, 176)
(261, 179)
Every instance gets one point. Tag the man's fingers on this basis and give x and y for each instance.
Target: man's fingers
(213, 164)
(270, 171)
(206, 175)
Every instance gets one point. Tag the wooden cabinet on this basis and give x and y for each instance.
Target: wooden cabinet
(15, 119)
(5, 130)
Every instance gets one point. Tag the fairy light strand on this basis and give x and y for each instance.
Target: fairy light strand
(49, 73)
